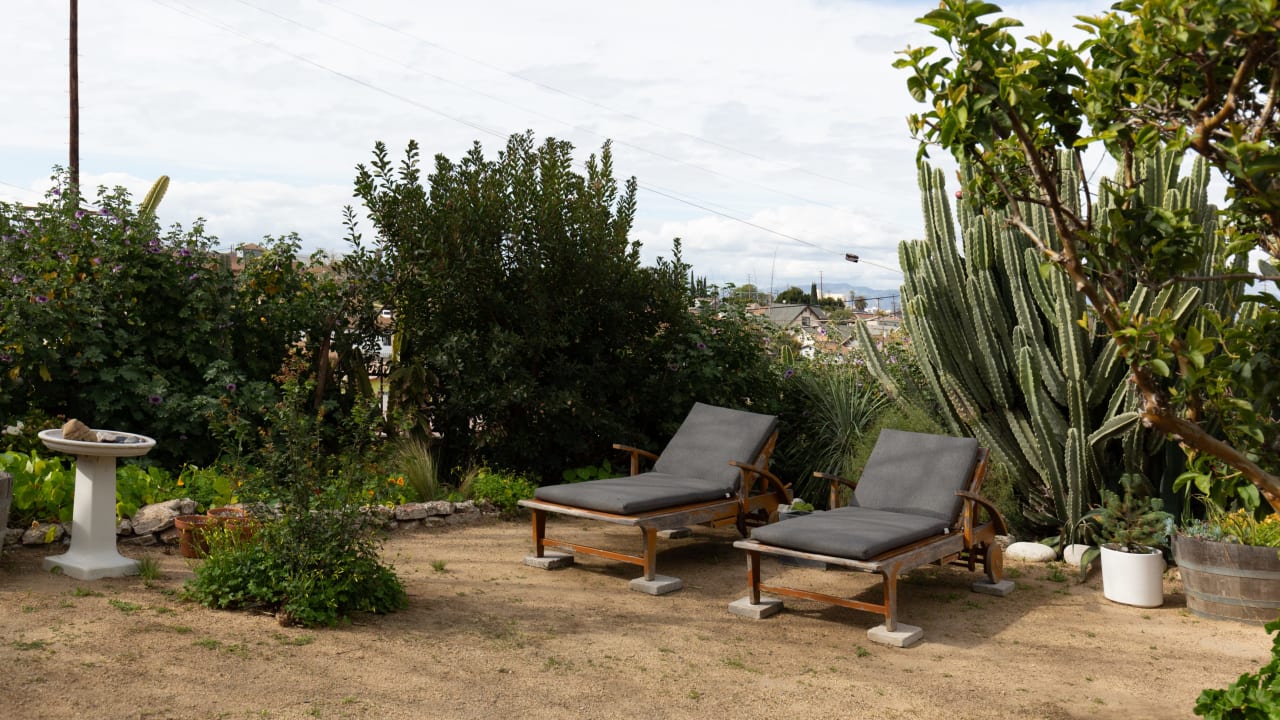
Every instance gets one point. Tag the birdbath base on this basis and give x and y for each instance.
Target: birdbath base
(92, 566)
(93, 552)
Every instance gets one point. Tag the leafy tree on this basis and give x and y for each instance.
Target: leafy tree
(860, 303)
(793, 296)
(529, 334)
(1155, 75)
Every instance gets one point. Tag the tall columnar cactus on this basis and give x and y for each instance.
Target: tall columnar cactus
(1010, 353)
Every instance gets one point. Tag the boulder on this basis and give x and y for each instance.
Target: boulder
(412, 511)
(43, 534)
(439, 508)
(1030, 552)
(1071, 554)
(125, 527)
(157, 517)
(13, 536)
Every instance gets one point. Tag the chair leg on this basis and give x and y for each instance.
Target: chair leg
(539, 531)
(891, 599)
(650, 552)
(753, 577)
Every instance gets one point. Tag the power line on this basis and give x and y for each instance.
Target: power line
(586, 100)
(178, 5)
(567, 123)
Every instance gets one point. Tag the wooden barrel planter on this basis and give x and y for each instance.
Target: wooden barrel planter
(1228, 581)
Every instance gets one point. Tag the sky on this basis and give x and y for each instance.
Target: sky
(770, 135)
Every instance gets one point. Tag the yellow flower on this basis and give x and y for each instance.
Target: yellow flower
(180, 483)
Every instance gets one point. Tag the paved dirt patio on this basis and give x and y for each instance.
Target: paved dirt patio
(491, 638)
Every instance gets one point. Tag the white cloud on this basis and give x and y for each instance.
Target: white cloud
(260, 121)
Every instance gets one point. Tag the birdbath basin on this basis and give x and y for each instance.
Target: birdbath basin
(93, 552)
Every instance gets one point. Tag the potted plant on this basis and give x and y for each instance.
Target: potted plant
(1131, 531)
(798, 507)
(1230, 564)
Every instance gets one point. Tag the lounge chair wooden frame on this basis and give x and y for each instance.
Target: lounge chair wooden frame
(966, 543)
(751, 506)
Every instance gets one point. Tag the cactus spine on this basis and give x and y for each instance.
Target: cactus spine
(1011, 355)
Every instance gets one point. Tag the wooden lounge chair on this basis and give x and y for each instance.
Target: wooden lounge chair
(916, 503)
(714, 471)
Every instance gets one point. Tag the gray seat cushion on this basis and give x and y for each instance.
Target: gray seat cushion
(917, 473)
(710, 437)
(858, 533)
(694, 467)
(636, 494)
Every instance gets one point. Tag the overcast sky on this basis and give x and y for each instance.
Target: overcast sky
(779, 123)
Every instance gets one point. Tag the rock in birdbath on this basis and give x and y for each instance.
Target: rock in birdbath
(76, 430)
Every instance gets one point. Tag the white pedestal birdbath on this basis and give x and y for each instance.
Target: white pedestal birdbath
(93, 552)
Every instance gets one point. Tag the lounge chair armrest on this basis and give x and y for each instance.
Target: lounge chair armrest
(636, 454)
(771, 482)
(1002, 528)
(834, 482)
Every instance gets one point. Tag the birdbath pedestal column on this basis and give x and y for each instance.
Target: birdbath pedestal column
(93, 553)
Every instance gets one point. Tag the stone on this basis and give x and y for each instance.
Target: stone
(147, 540)
(158, 516)
(659, 585)
(904, 636)
(767, 606)
(125, 527)
(168, 536)
(549, 560)
(998, 589)
(434, 522)
(411, 511)
(13, 536)
(75, 430)
(439, 507)
(1072, 554)
(1030, 552)
(675, 533)
(43, 534)
(186, 506)
(466, 506)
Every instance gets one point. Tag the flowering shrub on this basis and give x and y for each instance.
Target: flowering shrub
(107, 318)
(1241, 526)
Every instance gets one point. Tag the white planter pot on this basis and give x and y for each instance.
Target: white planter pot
(1133, 578)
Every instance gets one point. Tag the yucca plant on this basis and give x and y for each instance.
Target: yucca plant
(840, 403)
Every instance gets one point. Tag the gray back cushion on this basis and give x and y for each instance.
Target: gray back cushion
(917, 473)
(712, 436)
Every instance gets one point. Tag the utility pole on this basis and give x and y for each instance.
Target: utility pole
(73, 165)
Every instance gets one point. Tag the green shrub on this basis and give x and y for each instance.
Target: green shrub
(502, 489)
(309, 569)
(417, 465)
(1253, 696)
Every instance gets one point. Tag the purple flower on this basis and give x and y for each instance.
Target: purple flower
(57, 192)
(155, 399)
(116, 268)
(192, 276)
(6, 358)
(17, 278)
(42, 299)
(153, 250)
(96, 261)
(184, 252)
(74, 226)
(701, 345)
(231, 387)
(62, 255)
(80, 214)
(788, 373)
(104, 212)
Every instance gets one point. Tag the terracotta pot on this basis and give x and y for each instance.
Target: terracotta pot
(192, 542)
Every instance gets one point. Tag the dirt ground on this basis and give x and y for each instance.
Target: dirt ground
(487, 637)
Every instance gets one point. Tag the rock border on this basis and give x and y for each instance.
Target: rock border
(152, 525)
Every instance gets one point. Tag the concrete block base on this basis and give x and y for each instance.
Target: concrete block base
(767, 606)
(675, 533)
(659, 585)
(549, 560)
(904, 636)
(999, 589)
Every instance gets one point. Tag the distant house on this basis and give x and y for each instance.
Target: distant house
(793, 317)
